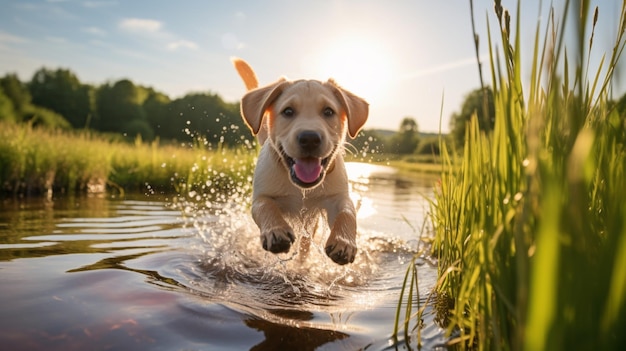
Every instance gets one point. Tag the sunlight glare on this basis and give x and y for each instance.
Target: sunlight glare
(359, 175)
(358, 64)
(360, 171)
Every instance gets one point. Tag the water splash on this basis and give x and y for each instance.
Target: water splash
(232, 267)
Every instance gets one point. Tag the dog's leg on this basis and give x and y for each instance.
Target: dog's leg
(341, 243)
(276, 235)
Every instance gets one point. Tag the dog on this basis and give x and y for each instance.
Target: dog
(300, 174)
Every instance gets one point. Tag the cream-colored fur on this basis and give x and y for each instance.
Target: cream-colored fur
(300, 172)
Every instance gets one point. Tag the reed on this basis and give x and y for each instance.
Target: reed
(530, 221)
(36, 162)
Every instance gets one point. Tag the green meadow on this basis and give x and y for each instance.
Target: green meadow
(37, 161)
(530, 220)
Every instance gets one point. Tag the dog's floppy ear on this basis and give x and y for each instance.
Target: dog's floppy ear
(255, 103)
(357, 109)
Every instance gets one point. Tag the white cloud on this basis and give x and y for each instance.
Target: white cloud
(141, 25)
(230, 41)
(153, 29)
(186, 44)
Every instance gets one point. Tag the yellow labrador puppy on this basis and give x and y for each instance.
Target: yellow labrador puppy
(300, 173)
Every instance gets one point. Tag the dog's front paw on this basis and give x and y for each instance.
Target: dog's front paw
(277, 240)
(341, 250)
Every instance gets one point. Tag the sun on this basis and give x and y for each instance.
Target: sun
(359, 64)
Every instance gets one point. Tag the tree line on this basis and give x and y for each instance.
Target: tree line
(480, 102)
(57, 98)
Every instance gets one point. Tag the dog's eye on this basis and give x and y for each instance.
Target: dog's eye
(328, 112)
(288, 112)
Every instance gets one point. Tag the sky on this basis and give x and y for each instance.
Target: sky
(407, 58)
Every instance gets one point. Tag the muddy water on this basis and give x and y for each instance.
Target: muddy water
(149, 272)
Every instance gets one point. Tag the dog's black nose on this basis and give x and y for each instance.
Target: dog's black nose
(309, 140)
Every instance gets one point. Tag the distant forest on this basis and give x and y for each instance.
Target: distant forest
(56, 98)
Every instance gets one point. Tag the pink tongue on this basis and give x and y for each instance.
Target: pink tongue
(308, 170)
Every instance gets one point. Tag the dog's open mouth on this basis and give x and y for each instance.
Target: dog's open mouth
(306, 172)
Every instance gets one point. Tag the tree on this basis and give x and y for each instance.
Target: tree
(429, 146)
(120, 107)
(62, 92)
(206, 115)
(43, 117)
(473, 104)
(406, 140)
(139, 127)
(156, 107)
(619, 121)
(7, 112)
(620, 105)
(17, 92)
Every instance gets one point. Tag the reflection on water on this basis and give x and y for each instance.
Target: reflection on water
(165, 273)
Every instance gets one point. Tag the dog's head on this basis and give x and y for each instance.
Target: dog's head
(307, 122)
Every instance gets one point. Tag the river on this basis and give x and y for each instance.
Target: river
(152, 272)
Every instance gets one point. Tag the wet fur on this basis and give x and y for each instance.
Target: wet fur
(279, 197)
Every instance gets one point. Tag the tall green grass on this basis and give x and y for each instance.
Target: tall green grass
(530, 230)
(36, 162)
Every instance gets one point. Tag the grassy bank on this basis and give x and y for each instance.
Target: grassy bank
(423, 169)
(43, 162)
(428, 166)
(531, 227)
(37, 161)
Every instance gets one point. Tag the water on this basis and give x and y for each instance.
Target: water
(158, 273)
